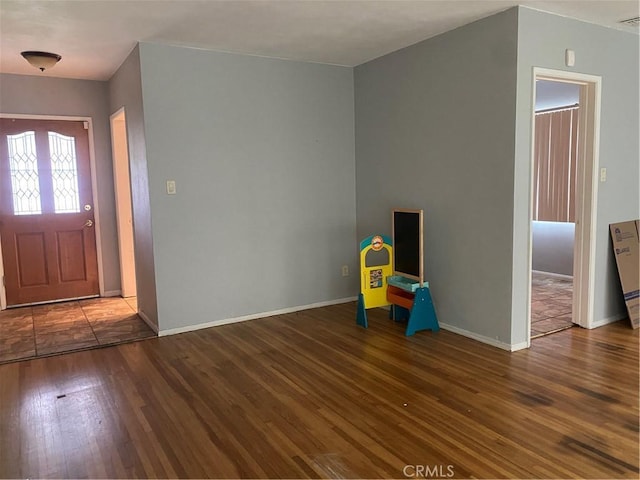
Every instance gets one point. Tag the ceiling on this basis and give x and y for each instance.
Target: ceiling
(95, 36)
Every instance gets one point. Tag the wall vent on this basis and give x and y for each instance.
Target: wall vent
(634, 22)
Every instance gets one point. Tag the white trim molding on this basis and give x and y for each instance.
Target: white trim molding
(112, 293)
(608, 320)
(253, 316)
(483, 339)
(148, 321)
(586, 191)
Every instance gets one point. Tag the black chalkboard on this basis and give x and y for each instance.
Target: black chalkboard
(407, 243)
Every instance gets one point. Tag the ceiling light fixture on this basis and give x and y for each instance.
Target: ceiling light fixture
(41, 60)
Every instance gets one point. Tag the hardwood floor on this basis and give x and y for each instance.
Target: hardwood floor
(43, 330)
(551, 304)
(310, 394)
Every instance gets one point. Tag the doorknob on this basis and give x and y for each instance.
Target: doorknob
(88, 223)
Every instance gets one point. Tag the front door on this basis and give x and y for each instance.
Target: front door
(46, 211)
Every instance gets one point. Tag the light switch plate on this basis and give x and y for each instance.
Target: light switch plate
(171, 187)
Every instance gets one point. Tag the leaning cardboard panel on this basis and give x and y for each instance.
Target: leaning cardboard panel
(626, 247)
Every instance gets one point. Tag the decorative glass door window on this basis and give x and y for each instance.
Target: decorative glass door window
(26, 176)
(25, 182)
(64, 173)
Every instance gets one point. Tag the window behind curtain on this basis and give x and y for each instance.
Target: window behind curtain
(554, 167)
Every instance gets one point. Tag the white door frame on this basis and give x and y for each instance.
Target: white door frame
(124, 211)
(584, 251)
(94, 189)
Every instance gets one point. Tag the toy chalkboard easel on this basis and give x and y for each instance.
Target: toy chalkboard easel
(400, 281)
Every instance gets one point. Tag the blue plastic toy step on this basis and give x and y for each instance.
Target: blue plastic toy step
(405, 283)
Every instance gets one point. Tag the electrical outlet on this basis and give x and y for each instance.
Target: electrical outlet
(345, 270)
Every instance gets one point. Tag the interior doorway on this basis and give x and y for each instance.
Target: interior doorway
(122, 187)
(563, 201)
(553, 216)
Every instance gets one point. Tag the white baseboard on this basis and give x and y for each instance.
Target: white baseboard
(519, 346)
(475, 336)
(481, 338)
(608, 320)
(254, 316)
(554, 275)
(112, 293)
(148, 321)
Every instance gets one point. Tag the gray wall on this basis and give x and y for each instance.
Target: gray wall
(262, 152)
(552, 247)
(435, 130)
(613, 55)
(125, 90)
(33, 95)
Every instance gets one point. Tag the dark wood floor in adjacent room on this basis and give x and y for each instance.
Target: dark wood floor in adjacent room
(310, 394)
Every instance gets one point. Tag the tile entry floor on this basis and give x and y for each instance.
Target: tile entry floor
(37, 331)
(551, 304)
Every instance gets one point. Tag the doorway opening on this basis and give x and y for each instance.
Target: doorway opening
(124, 215)
(565, 131)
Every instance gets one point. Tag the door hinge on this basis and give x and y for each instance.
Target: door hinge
(86, 125)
